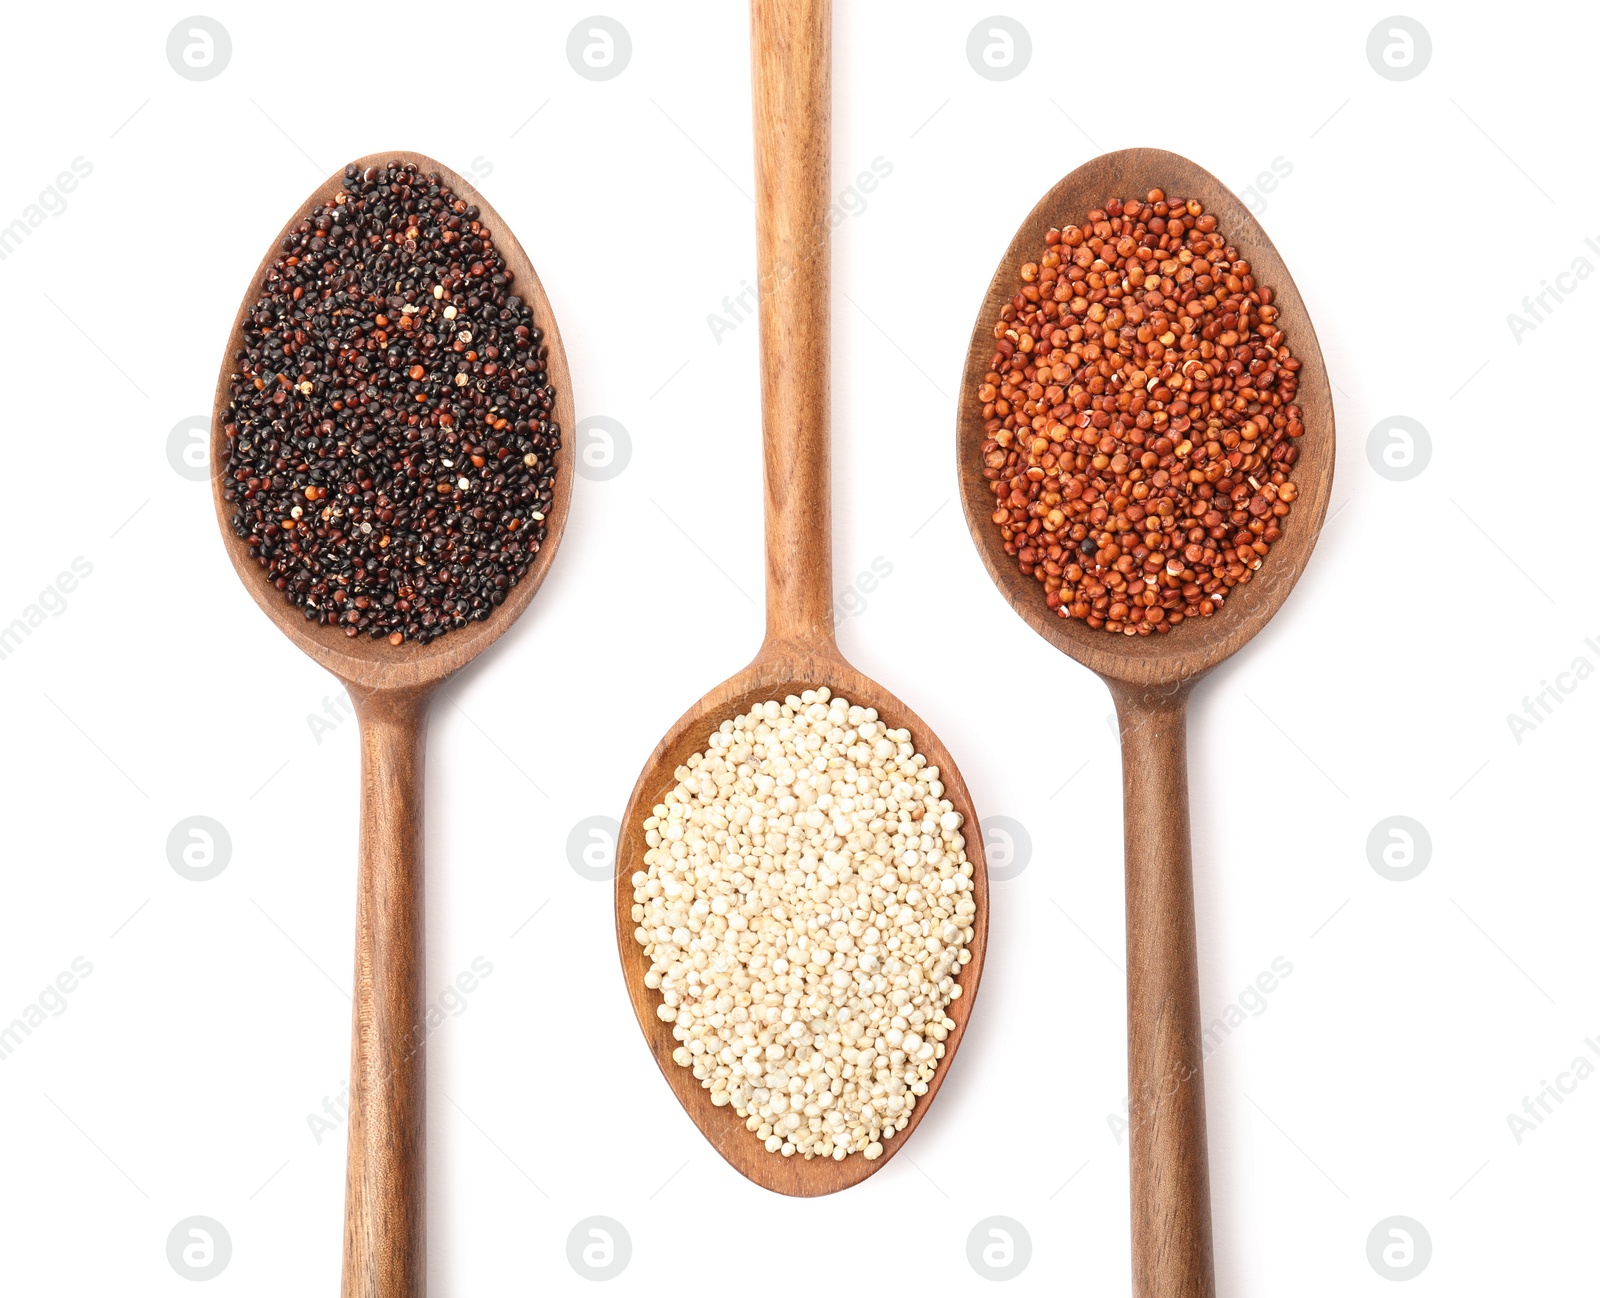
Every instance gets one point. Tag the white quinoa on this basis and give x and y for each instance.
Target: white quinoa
(806, 906)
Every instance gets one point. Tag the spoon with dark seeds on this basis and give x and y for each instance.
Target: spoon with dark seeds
(388, 478)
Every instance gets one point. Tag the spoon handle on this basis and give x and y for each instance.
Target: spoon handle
(1166, 1092)
(385, 1227)
(791, 44)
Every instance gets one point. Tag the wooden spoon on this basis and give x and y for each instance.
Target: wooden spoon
(385, 1235)
(790, 40)
(1150, 678)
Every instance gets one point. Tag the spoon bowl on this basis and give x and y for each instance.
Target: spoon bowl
(790, 44)
(1150, 678)
(362, 663)
(776, 674)
(390, 687)
(1199, 644)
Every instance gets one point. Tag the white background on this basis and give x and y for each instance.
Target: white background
(1419, 1014)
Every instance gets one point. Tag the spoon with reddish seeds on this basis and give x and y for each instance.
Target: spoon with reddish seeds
(1145, 487)
(388, 480)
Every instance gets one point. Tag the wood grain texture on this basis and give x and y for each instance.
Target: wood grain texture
(385, 1228)
(790, 48)
(1171, 1217)
(790, 42)
(1150, 678)
(390, 687)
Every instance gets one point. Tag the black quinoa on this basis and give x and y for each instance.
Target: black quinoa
(391, 439)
